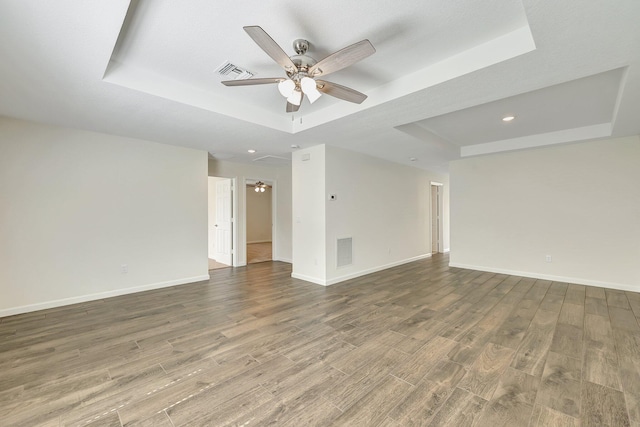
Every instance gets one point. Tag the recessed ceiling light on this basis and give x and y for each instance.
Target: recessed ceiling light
(413, 159)
(251, 151)
(508, 118)
(294, 146)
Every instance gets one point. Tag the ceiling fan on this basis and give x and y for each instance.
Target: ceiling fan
(302, 70)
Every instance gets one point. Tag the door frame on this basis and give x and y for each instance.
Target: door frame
(439, 215)
(234, 222)
(274, 214)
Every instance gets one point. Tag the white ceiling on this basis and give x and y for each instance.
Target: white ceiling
(444, 74)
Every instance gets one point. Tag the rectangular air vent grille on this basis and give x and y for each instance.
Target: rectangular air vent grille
(344, 253)
(233, 72)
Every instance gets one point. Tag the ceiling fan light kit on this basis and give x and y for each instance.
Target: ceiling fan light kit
(296, 97)
(260, 187)
(302, 70)
(310, 88)
(286, 87)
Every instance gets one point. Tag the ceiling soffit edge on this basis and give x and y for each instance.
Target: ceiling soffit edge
(153, 82)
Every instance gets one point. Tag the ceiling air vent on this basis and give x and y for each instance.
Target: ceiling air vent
(233, 72)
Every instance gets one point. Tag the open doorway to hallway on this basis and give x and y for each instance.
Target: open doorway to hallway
(220, 220)
(259, 221)
(436, 218)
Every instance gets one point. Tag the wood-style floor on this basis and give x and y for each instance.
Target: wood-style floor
(419, 344)
(258, 252)
(214, 265)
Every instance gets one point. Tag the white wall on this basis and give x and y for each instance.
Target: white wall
(259, 223)
(309, 249)
(383, 206)
(77, 205)
(281, 178)
(578, 203)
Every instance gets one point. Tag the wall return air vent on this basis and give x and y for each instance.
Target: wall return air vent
(344, 252)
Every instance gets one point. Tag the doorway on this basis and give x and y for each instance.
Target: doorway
(220, 220)
(436, 218)
(259, 221)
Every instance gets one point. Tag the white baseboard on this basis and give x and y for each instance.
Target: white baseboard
(376, 269)
(315, 280)
(564, 279)
(287, 260)
(355, 274)
(97, 296)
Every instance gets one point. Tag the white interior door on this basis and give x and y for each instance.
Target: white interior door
(223, 225)
(211, 216)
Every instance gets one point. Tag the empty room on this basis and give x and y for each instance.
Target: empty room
(418, 213)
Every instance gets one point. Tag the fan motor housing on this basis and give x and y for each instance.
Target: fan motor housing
(300, 46)
(301, 60)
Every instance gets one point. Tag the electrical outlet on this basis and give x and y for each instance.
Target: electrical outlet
(548, 258)
(124, 269)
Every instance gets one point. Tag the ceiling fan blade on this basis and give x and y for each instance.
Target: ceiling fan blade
(249, 82)
(342, 92)
(292, 108)
(343, 58)
(271, 48)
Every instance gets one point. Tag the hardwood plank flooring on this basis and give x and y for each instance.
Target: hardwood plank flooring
(422, 344)
(512, 402)
(560, 384)
(258, 252)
